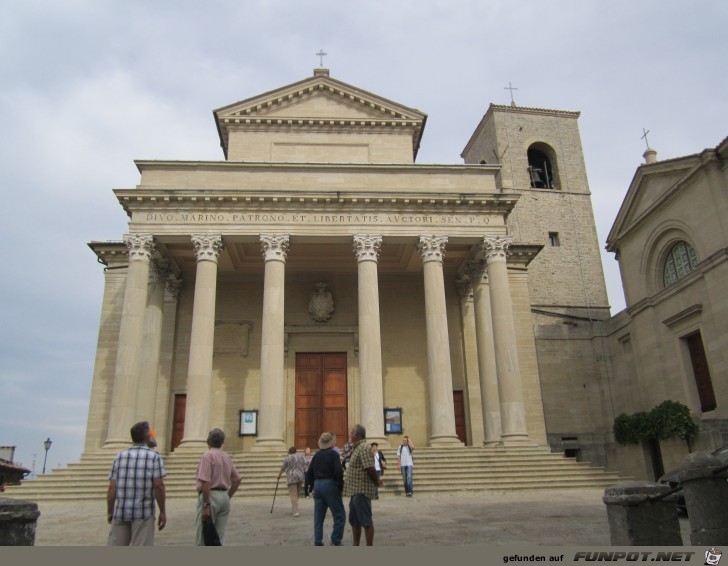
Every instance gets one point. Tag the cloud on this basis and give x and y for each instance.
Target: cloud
(90, 86)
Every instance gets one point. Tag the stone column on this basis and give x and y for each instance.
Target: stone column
(513, 415)
(489, 398)
(123, 412)
(147, 391)
(272, 414)
(199, 373)
(439, 375)
(166, 363)
(474, 413)
(366, 248)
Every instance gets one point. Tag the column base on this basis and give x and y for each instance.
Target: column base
(269, 445)
(445, 442)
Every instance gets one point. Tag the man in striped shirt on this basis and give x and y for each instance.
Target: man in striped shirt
(136, 480)
(217, 482)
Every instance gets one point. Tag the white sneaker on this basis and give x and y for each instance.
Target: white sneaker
(295, 515)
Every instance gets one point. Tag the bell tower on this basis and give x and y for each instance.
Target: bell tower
(541, 159)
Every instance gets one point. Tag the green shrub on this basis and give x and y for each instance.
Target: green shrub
(667, 420)
(673, 419)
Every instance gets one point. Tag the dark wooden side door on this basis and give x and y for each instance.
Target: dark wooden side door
(458, 398)
(321, 403)
(701, 372)
(178, 419)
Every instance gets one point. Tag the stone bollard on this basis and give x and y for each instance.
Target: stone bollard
(706, 498)
(636, 519)
(17, 522)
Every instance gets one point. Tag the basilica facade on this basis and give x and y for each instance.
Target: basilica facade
(318, 277)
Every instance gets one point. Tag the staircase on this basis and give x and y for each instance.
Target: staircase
(436, 470)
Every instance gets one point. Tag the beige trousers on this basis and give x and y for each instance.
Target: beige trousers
(293, 490)
(132, 533)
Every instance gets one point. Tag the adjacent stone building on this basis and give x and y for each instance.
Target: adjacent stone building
(318, 277)
(671, 240)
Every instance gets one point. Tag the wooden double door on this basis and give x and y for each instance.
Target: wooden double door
(321, 401)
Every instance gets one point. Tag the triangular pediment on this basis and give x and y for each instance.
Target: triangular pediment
(652, 185)
(322, 106)
(319, 101)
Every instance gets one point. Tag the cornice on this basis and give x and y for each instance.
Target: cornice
(139, 199)
(110, 253)
(530, 110)
(523, 254)
(285, 166)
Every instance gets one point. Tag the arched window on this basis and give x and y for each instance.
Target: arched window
(541, 166)
(681, 260)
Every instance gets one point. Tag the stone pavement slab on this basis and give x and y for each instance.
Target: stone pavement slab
(544, 518)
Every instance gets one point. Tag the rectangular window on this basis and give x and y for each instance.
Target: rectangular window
(701, 371)
(554, 238)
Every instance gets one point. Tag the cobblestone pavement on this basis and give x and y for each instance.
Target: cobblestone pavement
(545, 518)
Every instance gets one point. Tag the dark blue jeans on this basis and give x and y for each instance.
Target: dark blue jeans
(327, 496)
(407, 478)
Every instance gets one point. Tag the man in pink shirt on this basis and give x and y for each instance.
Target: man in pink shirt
(217, 482)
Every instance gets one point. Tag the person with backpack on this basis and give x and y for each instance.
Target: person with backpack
(405, 463)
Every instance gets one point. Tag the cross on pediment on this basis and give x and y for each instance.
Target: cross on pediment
(644, 137)
(321, 54)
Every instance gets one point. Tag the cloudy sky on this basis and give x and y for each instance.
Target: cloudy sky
(87, 86)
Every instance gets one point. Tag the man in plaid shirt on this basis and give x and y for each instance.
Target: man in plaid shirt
(136, 480)
(359, 482)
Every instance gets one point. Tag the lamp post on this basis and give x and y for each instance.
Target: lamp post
(47, 446)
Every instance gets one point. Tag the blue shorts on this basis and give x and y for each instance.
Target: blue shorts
(360, 511)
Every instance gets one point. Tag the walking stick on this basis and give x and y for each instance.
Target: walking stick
(274, 494)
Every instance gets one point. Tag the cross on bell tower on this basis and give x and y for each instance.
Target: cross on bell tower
(511, 88)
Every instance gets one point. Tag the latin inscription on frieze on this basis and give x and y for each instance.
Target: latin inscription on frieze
(258, 218)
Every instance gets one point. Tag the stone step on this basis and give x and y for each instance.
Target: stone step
(428, 475)
(436, 470)
(84, 493)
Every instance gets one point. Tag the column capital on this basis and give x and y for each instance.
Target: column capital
(495, 248)
(367, 246)
(140, 246)
(477, 271)
(464, 285)
(171, 289)
(208, 246)
(432, 248)
(158, 272)
(275, 246)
